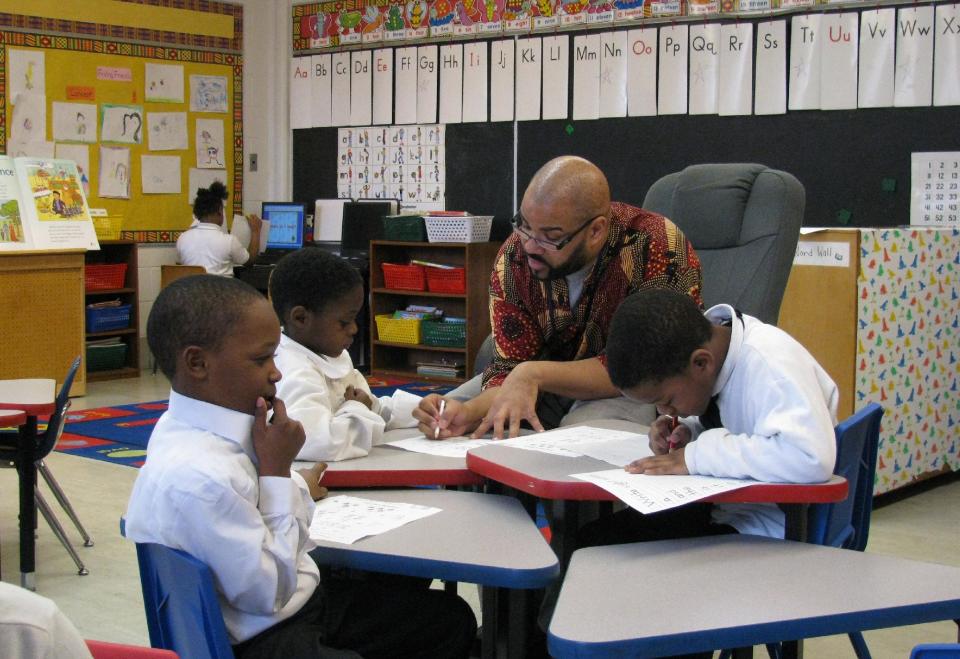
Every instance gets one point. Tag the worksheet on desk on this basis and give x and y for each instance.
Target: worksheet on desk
(575, 441)
(346, 519)
(454, 447)
(650, 494)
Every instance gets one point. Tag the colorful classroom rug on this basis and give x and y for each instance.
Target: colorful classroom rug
(119, 434)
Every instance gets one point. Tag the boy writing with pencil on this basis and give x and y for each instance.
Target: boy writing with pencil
(735, 398)
(218, 485)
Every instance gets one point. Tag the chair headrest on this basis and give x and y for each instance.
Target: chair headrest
(709, 202)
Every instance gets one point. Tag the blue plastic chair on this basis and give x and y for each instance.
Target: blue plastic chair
(936, 651)
(183, 613)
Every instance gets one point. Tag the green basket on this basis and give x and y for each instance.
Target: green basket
(444, 334)
(106, 358)
(409, 228)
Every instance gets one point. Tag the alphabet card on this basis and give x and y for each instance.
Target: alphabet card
(935, 189)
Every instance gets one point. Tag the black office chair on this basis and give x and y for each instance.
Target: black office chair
(744, 221)
(46, 442)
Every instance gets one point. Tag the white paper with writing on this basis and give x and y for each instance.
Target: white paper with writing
(650, 494)
(361, 88)
(528, 79)
(427, 84)
(555, 76)
(383, 86)
(642, 72)
(839, 51)
(877, 48)
(300, 100)
(913, 83)
(618, 452)
(831, 254)
(735, 95)
(567, 441)
(346, 519)
(586, 76)
(805, 62)
(672, 82)
(454, 447)
(340, 89)
(704, 67)
(946, 82)
(770, 96)
(613, 74)
(475, 81)
(405, 98)
(451, 83)
(502, 65)
(320, 80)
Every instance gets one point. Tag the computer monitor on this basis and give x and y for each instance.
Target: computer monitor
(363, 222)
(286, 224)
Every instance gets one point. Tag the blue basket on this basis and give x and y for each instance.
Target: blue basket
(106, 319)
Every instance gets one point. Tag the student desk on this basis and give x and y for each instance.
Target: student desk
(733, 591)
(32, 397)
(476, 538)
(548, 477)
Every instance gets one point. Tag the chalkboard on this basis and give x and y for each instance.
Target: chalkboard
(854, 164)
(479, 169)
(846, 160)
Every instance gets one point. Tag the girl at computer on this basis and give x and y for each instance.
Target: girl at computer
(206, 244)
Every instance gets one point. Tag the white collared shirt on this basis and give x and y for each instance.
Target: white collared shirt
(312, 388)
(32, 626)
(199, 491)
(778, 408)
(207, 245)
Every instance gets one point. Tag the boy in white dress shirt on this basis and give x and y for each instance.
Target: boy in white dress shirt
(317, 297)
(750, 402)
(217, 484)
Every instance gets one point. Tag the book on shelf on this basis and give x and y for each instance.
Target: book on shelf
(442, 369)
(43, 206)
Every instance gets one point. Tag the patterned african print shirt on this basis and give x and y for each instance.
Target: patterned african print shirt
(532, 319)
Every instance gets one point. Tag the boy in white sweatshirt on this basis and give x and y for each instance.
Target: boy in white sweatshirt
(317, 297)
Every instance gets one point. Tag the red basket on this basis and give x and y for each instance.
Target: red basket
(404, 277)
(446, 280)
(105, 276)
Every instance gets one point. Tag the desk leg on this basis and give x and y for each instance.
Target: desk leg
(489, 615)
(517, 621)
(27, 472)
(564, 519)
(796, 529)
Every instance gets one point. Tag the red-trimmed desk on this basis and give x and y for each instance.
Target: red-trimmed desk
(736, 591)
(484, 539)
(547, 477)
(33, 397)
(388, 466)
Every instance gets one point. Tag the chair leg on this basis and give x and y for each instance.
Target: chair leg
(64, 502)
(859, 645)
(58, 531)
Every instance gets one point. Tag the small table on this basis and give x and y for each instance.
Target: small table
(736, 591)
(484, 539)
(32, 397)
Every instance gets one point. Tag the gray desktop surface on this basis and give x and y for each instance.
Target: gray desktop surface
(668, 597)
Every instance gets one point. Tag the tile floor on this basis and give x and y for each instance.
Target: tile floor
(107, 604)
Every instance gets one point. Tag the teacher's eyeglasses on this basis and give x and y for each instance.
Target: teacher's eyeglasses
(521, 226)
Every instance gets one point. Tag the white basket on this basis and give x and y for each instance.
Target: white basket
(458, 229)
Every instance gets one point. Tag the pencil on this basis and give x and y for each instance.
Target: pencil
(436, 431)
(674, 422)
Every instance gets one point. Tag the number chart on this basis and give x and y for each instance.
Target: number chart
(935, 189)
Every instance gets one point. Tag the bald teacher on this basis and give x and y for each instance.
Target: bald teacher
(573, 257)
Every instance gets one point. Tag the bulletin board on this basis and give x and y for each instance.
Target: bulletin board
(73, 63)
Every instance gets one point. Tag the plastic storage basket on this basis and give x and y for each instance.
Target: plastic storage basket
(105, 358)
(444, 333)
(398, 330)
(459, 229)
(99, 277)
(446, 280)
(105, 319)
(404, 277)
(404, 227)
